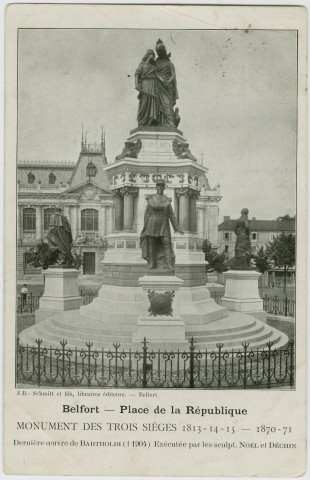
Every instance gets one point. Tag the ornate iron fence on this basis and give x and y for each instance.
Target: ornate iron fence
(114, 368)
(29, 303)
(273, 305)
(279, 306)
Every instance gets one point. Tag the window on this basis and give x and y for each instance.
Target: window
(89, 220)
(29, 220)
(47, 216)
(254, 236)
(227, 235)
(31, 177)
(273, 236)
(51, 178)
(91, 170)
(226, 249)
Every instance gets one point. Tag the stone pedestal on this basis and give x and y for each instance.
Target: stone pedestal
(241, 293)
(160, 322)
(60, 292)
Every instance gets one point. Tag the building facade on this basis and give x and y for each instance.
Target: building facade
(84, 192)
(261, 233)
(208, 211)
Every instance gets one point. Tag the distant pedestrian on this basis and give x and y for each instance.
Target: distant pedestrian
(24, 293)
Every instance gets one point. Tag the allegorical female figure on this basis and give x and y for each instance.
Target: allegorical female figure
(146, 84)
(155, 239)
(59, 237)
(243, 243)
(167, 86)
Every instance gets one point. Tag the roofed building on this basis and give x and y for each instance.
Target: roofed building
(261, 233)
(83, 190)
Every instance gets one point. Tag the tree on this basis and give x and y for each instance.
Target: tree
(41, 256)
(282, 252)
(262, 260)
(216, 261)
(286, 217)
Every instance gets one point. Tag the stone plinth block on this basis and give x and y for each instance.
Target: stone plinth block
(241, 293)
(60, 292)
(159, 321)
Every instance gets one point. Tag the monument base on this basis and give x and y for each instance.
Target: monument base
(241, 293)
(160, 322)
(60, 292)
(161, 334)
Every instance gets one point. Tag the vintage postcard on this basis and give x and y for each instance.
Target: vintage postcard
(155, 240)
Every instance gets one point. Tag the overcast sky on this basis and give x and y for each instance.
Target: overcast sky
(237, 90)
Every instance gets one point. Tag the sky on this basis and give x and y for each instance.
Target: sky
(238, 97)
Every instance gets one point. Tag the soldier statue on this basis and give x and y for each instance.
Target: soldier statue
(155, 239)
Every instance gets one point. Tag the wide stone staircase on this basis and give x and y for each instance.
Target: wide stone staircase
(232, 331)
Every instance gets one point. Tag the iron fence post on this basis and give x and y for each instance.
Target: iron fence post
(265, 303)
(144, 348)
(285, 306)
(245, 347)
(88, 345)
(269, 345)
(116, 346)
(291, 363)
(191, 363)
(39, 341)
(276, 304)
(219, 380)
(63, 343)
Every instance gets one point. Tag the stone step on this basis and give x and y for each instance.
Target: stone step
(207, 336)
(76, 329)
(49, 332)
(84, 326)
(108, 317)
(225, 325)
(53, 340)
(231, 343)
(109, 305)
(260, 341)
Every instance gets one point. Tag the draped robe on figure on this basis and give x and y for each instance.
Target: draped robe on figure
(167, 94)
(59, 235)
(148, 102)
(242, 231)
(157, 216)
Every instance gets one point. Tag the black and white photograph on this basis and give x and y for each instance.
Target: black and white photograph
(155, 216)
(156, 208)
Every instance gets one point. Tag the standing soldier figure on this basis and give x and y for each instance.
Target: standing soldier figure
(155, 239)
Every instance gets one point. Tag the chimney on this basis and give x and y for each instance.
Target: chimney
(226, 218)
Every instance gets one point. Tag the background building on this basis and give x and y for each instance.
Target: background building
(83, 190)
(262, 232)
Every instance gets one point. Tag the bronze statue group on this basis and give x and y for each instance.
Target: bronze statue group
(155, 80)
